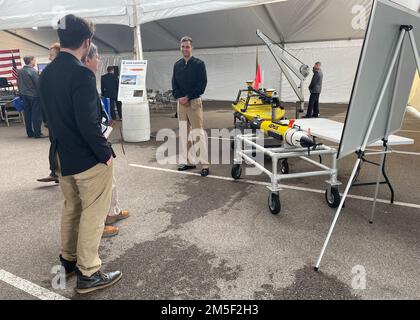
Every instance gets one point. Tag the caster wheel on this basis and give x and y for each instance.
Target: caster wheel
(285, 167)
(333, 198)
(236, 171)
(274, 203)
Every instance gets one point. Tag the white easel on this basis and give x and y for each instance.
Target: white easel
(404, 30)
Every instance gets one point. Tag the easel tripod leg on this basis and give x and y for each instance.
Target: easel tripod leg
(337, 214)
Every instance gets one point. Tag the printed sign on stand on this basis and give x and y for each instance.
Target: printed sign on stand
(133, 81)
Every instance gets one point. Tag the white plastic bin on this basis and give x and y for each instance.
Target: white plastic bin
(136, 122)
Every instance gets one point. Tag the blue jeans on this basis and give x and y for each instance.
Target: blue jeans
(33, 118)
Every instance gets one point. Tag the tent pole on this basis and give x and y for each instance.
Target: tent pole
(139, 46)
(362, 149)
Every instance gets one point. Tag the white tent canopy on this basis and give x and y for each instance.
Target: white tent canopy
(223, 31)
(18, 14)
(212, 24)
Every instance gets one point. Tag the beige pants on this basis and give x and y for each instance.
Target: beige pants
(191, 117)
(87, 200)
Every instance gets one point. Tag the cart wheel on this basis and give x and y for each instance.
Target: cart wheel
(274, 202)
(333, 198)
(236, 171)
(285, 167)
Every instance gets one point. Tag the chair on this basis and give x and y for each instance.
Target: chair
(7, 95)
(6, 86)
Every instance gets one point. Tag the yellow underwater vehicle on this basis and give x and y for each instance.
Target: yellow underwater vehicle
(262, 110)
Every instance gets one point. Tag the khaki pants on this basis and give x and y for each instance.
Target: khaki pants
(191, 117)
(87, 200)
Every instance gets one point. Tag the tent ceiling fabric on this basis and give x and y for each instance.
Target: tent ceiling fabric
(292, 21)
(152, 10)
(19, 14)
(289, 21)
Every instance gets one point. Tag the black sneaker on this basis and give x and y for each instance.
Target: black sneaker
(186, 167)
(41, 136)
(50, 178)
(69, 266)
(97, 281)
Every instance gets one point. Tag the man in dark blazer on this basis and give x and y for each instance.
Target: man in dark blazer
(109, 89)
(84, 158)
(315, 88)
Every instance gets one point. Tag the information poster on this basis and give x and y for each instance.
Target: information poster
(133, 81)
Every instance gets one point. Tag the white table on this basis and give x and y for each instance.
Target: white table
(332, 130)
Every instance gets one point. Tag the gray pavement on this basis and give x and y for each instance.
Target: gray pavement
(200, 238)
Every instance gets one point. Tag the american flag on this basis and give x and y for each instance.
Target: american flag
(9, 64)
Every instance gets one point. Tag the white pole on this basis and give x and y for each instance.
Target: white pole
(139, 45)
(353, 174)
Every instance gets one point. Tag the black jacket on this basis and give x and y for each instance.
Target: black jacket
(68, 93)
(189, 79)
(28, 81)
(316, 83)
(109, 86)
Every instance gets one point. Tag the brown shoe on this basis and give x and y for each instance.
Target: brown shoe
(110, 231)
(124, 214)
(110, 220)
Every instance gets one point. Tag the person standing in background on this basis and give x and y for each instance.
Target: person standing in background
(28, 89)
(189, 82)
(315, 88)
(54, 51)
(83, 155)
(109, 89)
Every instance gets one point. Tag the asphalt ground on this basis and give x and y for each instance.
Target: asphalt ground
(190, 237)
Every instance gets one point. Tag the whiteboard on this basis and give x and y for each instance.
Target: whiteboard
(379, 46)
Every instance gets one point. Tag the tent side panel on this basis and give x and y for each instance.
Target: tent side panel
(229, 68)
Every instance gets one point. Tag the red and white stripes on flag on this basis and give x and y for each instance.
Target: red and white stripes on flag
(10, 62)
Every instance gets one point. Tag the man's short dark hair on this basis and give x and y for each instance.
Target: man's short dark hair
(186, 38)
(109, 69)
(73, 30)
(318, 62)
(28, 59)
